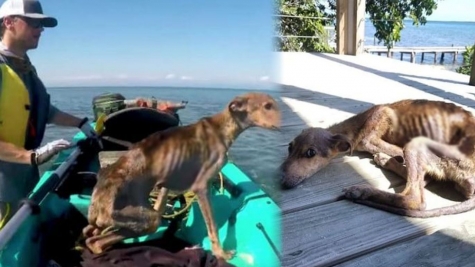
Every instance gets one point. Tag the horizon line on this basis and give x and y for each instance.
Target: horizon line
(158, 86)
(436, 20)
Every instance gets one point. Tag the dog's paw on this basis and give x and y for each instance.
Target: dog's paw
(93, 246)
(225, 254)
(381, 159)
(358, 192)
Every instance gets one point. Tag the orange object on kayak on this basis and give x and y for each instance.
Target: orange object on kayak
(165, 106)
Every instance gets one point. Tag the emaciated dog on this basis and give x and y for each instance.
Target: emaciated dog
(412, 138)
(178, 159)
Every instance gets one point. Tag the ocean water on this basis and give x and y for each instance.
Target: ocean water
(255, 150)
(433, 33)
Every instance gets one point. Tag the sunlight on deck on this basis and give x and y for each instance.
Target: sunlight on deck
(369, 78)
(316, 115)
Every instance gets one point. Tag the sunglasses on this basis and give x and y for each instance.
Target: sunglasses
(33, 23)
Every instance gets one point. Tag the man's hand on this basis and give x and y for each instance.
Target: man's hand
(86, 128)
(90, 133)
(46, 152)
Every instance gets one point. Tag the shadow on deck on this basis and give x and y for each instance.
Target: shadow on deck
(320, 228)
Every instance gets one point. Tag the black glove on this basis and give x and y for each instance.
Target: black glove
(90, 145)
(86, 128)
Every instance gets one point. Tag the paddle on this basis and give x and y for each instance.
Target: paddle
(31, 204)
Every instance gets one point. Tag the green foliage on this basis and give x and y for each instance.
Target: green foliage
(466, 67)
(387, 16)
(289, 27)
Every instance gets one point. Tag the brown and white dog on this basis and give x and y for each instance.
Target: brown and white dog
(178, 159)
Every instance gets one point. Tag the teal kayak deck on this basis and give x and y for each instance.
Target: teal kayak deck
(248, 221)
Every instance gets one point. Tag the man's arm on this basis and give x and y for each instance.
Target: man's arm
(12, 153)
(62, 118)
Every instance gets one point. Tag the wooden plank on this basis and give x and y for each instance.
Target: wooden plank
(326, 186)
(451, 247)
(343, 231)
(336, 232)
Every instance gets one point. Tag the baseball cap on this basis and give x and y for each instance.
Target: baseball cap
(27, 8)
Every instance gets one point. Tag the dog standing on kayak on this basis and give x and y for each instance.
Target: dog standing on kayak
(178, 159)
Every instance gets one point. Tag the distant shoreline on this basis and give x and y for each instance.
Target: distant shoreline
(441, 21)
(159, 87)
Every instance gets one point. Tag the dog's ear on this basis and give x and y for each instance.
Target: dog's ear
(238, 104)
(342, 143)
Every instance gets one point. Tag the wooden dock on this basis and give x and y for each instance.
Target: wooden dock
(319, 228)
(454, 51)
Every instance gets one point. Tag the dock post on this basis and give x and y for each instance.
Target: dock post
(350, 25)
(413, 57)
(442, 58)
(422, 57)
(455, 56)
(435, 57)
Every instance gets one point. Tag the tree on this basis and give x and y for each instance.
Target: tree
(468, 64)
(301, 18)
(387, 16)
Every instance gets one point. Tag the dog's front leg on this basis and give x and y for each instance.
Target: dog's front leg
(203, 202)
(201, 190)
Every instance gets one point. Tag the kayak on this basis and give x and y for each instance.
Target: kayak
(248, 220)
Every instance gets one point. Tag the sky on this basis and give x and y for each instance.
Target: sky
(207, 43)
(454, 10)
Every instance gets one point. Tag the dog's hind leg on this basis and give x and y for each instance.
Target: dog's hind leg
(422, 156)
(131, 221)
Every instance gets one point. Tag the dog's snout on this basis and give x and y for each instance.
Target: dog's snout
(287, 182)
(286, 186)
(287, 179)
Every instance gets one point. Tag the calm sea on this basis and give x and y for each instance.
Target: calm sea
(433, 33)
(255, 151)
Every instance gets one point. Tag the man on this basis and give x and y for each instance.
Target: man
(25, 106)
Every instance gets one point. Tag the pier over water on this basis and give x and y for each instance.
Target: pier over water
(454, 51)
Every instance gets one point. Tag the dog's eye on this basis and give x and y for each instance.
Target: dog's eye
(310, 153)
(289, 148)
(268, 106)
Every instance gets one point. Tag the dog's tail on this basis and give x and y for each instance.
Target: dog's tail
(461, 207)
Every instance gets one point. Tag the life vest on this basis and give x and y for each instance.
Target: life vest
(14, 107)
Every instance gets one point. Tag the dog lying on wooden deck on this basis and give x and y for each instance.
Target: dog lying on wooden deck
(178, 159)
(420, 140)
